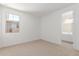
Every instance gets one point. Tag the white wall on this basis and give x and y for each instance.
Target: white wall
(51, 29)
(29, 28)
(0, 26)
(51, 26)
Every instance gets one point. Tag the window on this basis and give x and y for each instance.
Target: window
(13, 17)
(67, 22)
(12, 23)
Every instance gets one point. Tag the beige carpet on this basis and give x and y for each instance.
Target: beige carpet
(38, 48)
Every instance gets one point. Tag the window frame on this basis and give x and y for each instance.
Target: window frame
(72, 12)
(8, 19)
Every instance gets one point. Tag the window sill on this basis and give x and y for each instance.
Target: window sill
(67, 33)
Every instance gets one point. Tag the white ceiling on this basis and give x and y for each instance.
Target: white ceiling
(38, 9)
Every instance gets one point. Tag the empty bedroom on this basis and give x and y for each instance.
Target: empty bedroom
(39, 29)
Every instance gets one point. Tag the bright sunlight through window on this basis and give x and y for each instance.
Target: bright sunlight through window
(67, 22)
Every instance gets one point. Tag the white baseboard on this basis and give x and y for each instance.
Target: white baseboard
(3, 46)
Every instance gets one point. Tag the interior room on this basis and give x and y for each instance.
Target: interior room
(39, 29)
